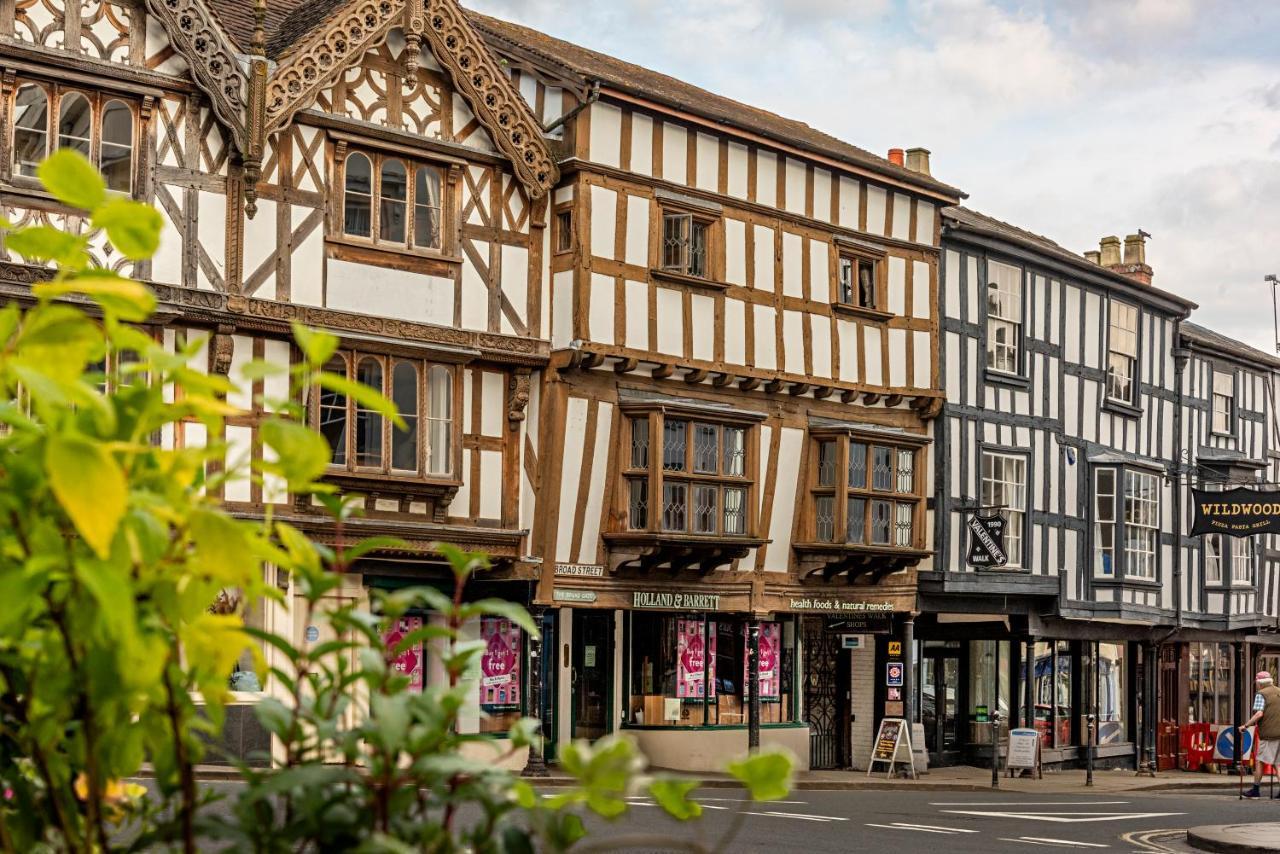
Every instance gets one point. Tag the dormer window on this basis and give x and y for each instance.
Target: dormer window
(99, 126)
(392, 202)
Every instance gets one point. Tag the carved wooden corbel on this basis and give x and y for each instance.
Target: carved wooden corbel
(518, 399)
(222, 350)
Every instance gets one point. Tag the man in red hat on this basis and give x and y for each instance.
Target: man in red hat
(1266, 708)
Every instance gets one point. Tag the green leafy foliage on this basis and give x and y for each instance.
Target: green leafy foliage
(767, 775)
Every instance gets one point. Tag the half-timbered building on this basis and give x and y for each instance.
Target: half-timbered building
(733, 424)
(1081, 407)
(367, 168)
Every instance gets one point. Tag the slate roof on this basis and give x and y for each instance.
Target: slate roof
(1218, 341)
(287, 21)
(969, 219)
(589, 65)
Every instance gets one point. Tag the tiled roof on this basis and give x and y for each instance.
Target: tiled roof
(591, 65)
(287, 21)
(1218, 341)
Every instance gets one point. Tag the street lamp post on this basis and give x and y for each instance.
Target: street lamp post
(753, 686)
(536, 765)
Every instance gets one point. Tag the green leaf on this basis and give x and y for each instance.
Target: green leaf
(257, 369)
(71, 178)
(89, 485)
(767, 776)
(316, 346)
(501, 608)
(222, 547)
(302, 455)
(673, 796)
(130, 300)
(132, 227)
(364, 396)
(40, 243)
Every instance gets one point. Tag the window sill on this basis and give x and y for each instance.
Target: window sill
(31, 189)
(1124, 581)
(370, 246)
(1119, 407)
(1017, 381)
(686, 279)
(878, 315)
(377, 482)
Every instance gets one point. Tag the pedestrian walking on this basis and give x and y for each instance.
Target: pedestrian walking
(1266, 747)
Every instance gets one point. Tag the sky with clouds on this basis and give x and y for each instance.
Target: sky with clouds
(1071, 118)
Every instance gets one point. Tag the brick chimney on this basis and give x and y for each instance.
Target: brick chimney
(897, 156)
(918, 160)
(1134, 265)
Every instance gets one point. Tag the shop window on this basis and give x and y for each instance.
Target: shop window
(702, 484)
(1004, 486)
(1126, 523)
(405, 652)
(98, 126)
(391, 202)
(1051, 691)
(686, 243)
(363, 441)
(1004, 318)
(864, 491)
(989, 665)
(1224, 403)
(860, 286)
(501, 657)
(1122, 353)
(1210, 694)
(1113, 698)
(691, 671)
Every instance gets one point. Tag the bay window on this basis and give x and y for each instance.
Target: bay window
(391, 202)
(48, 116)
(1126, 523)
(1122, 353)
(363, 441)
(864, 490)
(1004, 486)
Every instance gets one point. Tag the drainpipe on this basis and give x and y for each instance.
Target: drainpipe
(1181, 355)
(592, 96)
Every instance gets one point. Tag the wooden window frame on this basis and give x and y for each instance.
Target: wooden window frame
(383, 471)
(447, 250)
(1018, 323)
(1230, 398)
(1135, 359)
(879, 266)
(713, 275)
(1120, 551)
(656, 477)
(840, 491)
(1017, 556)
(55, 91)
(558, 231)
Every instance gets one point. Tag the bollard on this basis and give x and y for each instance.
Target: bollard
(1088, 773)
(995, 749)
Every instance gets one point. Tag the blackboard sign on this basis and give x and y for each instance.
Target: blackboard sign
(1236, 512)
(892, 744)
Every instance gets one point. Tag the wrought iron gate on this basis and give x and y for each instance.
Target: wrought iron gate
(821, 694)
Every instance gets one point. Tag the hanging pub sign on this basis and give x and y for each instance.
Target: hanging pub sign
(1239, 512)
(986, 540)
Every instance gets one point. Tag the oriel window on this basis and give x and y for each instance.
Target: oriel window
(855, 506)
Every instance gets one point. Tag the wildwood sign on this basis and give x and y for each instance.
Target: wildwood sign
(986, 540)
(1236, 512)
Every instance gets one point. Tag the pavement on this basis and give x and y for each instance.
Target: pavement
(1236, 838)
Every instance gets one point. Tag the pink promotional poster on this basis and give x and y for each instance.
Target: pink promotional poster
(696, 662)
(770, 662)
(408, 662)
(499, 664)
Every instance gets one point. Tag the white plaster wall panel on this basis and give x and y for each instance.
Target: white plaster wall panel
(875, 209)
(306, 264)
(475, 293)
(595, 489)
(241, 396)
(764, 318)
(735, 332)
(670, 322)
(1088, 410)
(872, 370)
(793, 342)
(156, 41)
(675, 153)
(641, 144)
(514, 277)
(850, 202)
(923, 363)
(575, 428)
(764, 266)
(637, 231)
(920, 289)
(637, 296)
(950, 302)
(389, 293)
(822, 195)
(552, 105)
(819, 270)
(737, 170)
(563, 195)
(604, 215)
(795, 186)
(953, 368)
(166, 264)
(973, 289)
(477, 175)
(600, 311)
(239, 450)
(748, 563)
(924, 222)
(901, 216)
(897, 285)
(460, 506)
(493, 398)
(897, 357)
(971, 377)
(1071, 413)
(468, 390)
(708, 163)
(847, 331)
(462, 115)
(1093, 306)
(606, 134)
(562, 308)
(766, 178)
(792, 265)
(735, 251)
(820, 335)
(702, 310)
(784, 499)
(490, 484)
(305, 180)
(212, 229)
